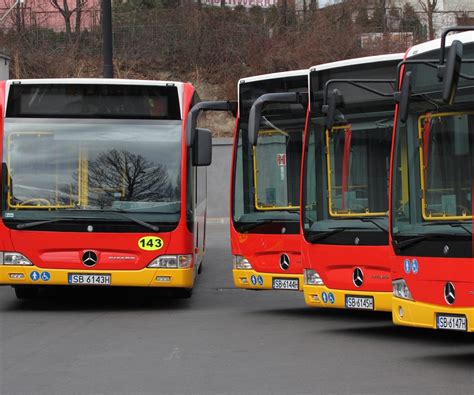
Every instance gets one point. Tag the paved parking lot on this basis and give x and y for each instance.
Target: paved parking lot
(222, 341)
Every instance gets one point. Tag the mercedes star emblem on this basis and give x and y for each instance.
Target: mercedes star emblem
(358, 277)
(89, 258)
(284, 261)
(449, 293)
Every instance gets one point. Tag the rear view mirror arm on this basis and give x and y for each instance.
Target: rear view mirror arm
(256, 109)
(205, 106)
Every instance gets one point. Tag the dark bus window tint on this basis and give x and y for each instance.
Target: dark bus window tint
(93, 101)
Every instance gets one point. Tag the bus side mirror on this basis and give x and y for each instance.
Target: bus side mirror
(403, 97)
(451, 70)
(202, 147)
(329, 109)
(255, 114)
(205, 106)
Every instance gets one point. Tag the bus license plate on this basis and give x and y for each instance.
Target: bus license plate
(292, 284)
(89, 279)
(452, 322)
(359, 302)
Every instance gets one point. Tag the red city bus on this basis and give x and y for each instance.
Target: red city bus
(102, 184)
(432, 186)
(344, 190)
(265, 182)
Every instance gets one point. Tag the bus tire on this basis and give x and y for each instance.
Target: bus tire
(200, 268)
(26, 292)
(183, 293)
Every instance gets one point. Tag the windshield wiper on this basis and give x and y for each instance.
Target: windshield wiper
(401, 245)
(333, 231)
(114, 211)
(121, 213)
(452, 224)
(38, 223)
(373, 221)
(50, 221)
(253, 225)
(367, 219)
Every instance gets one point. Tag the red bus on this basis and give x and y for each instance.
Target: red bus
(102, 184)
(432, 186)
(265, 182)
(345, 174)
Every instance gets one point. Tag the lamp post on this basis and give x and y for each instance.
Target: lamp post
(107, 46)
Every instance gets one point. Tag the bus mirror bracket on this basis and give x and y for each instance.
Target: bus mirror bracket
(202, 147)
(403, 97)
(205, 106)
(450, 71)
(329, 109)
(255, 114)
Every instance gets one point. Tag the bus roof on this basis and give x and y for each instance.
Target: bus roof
(464, 37)
(102, 81)
(271, 76)
(357, 61)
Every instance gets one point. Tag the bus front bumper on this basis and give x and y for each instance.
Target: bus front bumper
(251, 279)
(322, 296)
(148, 277)
(424, 315)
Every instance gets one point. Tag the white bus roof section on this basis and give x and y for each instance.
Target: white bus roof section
(102, 81)
(273, 76)
(266, 77)
(464, 37)
(357, 61)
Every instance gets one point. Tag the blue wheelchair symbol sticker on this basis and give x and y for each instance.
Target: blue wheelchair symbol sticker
(407, 266)
(253, 280)
(414, 266)
(35, 276)
(324, 297)
(260, 280)
(331, 298)
(45, 276)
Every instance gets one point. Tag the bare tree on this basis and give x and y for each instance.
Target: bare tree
(137, 178)
(429, 7)
(66, 11)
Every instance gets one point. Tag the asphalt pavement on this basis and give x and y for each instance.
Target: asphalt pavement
(221, 341)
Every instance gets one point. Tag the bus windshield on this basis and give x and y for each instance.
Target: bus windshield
(357, 160)
(67, 167)
(266, 177)
(434, 155)
(346, 168)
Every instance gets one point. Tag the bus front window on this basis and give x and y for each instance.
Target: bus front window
(275, 156)
(54, 167)
(433, 161)
(357, 165)
(445, 158)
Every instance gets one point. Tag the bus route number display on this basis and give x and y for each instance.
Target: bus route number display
(150, 243)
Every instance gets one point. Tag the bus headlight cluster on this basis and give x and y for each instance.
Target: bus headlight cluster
(241, 263)
(400, 289)
(172, 262)
(311, 277)
(14, 259)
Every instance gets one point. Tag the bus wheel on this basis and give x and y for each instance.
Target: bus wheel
(200, 268)
(183, 293)
(25, 292)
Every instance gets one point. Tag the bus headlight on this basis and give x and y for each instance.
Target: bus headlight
(241, 263)
(400, 289)
(311, 277)
(14, 259)
(172, 262)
